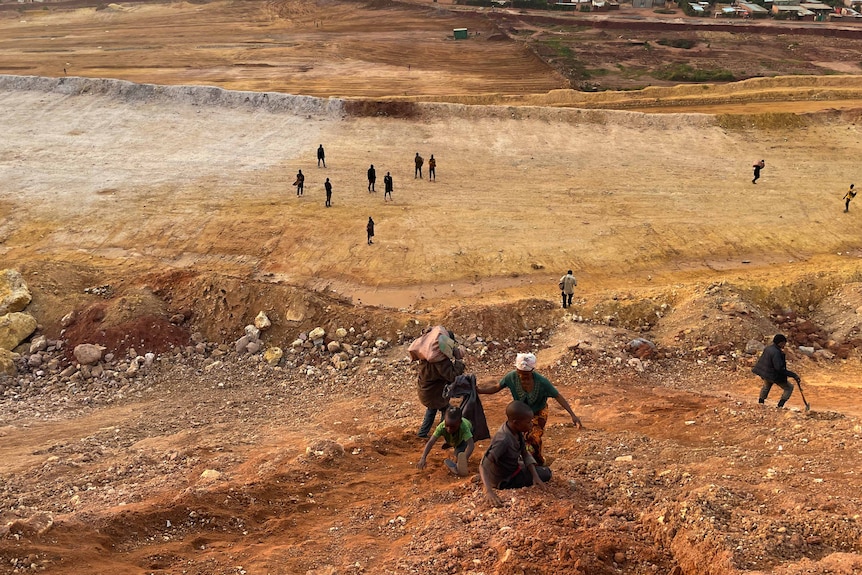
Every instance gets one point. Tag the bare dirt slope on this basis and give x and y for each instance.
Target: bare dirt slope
(607, 193)
(120, 185)
(298, 47)
(163, 217)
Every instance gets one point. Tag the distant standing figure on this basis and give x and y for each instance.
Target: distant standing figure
(851, 193)
(387, 186)
(321, 156)
(567, 286)
(299, 183)
(757, 167)
(432, 169)
(372, 177)
(418, 160)
(328, 187)
(370, 229)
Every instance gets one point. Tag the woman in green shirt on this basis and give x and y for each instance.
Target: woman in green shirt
(533, 389)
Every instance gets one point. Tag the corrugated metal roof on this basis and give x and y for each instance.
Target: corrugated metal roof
(754, 8)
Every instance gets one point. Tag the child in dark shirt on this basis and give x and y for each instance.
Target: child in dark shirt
(507, 464)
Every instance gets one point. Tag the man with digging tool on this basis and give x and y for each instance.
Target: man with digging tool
(772, 368)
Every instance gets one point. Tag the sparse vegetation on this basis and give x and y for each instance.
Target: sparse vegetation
(564, 59)
(686, 73)
(684, 43)
(556, 44)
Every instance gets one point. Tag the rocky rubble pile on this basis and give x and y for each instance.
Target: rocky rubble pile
(35, 365)
(15, 326)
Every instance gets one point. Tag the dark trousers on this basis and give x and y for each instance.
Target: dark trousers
(328, 199)
(371, 186)
(524, 479)
(298, 189)
(432, 174)
(567, 299)
(756, 175)
(847, 205)
(428, 420)
(767, 385)
(418, 172)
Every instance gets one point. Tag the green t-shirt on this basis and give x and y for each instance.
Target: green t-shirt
(536, 399)
(465, 432)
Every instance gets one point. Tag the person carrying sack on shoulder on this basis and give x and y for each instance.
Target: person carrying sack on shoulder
(440, 362)
(567, 286)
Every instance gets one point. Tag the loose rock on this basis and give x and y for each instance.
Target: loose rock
(15, 328)
(88, 353)
(273, 355)
(262, 322)
(14, 293)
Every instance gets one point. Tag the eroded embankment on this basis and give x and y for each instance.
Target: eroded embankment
(212, 96)
(487, 106)
(755, 90)
(570, 106)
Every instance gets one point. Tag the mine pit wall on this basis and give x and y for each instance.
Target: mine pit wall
(569, 106)
(191, 95)
(473, 107)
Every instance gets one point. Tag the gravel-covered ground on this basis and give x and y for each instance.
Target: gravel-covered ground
(209, 462)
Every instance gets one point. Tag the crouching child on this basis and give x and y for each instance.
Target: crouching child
(458, 433)
(507, 464)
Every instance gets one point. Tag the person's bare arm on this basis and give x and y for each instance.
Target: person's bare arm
(565, 405)
(490, 388)
(490, 494)
(428, 446)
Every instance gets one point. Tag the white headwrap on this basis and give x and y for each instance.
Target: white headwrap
(525, 362)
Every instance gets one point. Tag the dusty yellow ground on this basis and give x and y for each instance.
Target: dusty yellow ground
(521, 194)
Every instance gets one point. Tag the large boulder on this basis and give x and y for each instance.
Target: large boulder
(14, 293)
(7, 362)
(15, 328)
(88, 353)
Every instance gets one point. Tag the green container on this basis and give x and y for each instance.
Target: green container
(460, 33)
